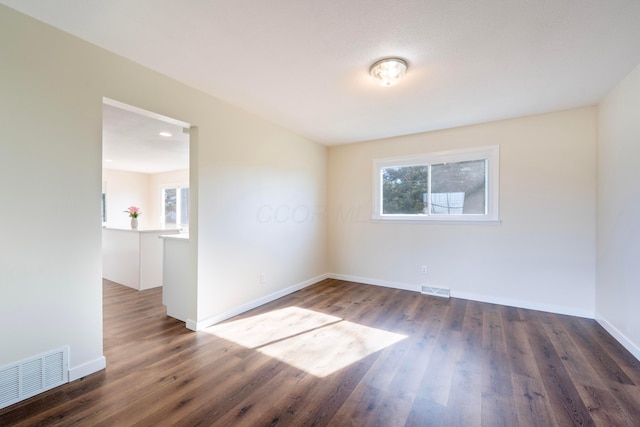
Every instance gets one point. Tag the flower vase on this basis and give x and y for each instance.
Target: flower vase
(134, 223)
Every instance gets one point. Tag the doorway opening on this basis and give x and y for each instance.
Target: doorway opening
(145, 191)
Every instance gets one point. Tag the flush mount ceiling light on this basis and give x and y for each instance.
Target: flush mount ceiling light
(389, 70)
(165, 134)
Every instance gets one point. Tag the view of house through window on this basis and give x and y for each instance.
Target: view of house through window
(459, 188)
(453, 185)
(176, 206)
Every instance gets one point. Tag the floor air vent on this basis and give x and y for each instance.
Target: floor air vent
(439, 292)
(29, 377)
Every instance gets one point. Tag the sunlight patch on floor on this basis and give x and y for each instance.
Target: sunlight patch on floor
(315, 342)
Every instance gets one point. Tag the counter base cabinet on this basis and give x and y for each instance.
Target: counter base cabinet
(176, 290)
(133, 257)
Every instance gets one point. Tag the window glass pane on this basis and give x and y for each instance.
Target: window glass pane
(404, 189)
(184, 206)
(170, 206)
(459, 188)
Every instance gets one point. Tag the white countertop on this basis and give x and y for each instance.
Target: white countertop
(144, 230)
(181, 236)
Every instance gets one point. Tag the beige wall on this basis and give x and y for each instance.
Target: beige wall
(124, 189)
(542, 253)
(52, 87)
(618, 279)
(248, 177)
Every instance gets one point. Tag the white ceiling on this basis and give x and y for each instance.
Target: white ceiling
(131, 141)
(304, 64)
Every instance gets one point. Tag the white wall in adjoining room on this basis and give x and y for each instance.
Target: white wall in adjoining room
(618, 261)
(159, 181)
(542, 253)
(124, 189)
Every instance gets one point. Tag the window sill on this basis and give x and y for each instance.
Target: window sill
(440, 221)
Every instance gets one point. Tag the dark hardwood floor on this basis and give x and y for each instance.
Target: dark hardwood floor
(345, 354)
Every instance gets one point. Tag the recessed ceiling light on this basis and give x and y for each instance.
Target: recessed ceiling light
(389, 70)
(163, 133)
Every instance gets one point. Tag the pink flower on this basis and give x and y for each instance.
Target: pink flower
(133, 211)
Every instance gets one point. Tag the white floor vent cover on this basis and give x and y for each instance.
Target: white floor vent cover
(29, 377)
(439, 292)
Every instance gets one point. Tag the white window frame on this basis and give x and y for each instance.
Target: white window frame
(491, 154)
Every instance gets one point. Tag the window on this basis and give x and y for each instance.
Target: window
(104, 207)
(457, 185)
(175, 206)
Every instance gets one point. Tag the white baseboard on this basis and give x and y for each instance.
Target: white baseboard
(199, 325)
(619, 336)
(557, 309)
(191, 324)
(87, 368)
(376, 282)
(470, 296)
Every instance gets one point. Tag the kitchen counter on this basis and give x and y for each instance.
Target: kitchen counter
(178, 292)
(133, 257)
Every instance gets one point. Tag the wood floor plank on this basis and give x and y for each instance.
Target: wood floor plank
(397, 373)
(588, 383)
(598, 356)
(425, 412)
(568, 407)
(605, 409)
(497, 387)
(621, 355)
(464, 406)
(347, 354)
(531, 402)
